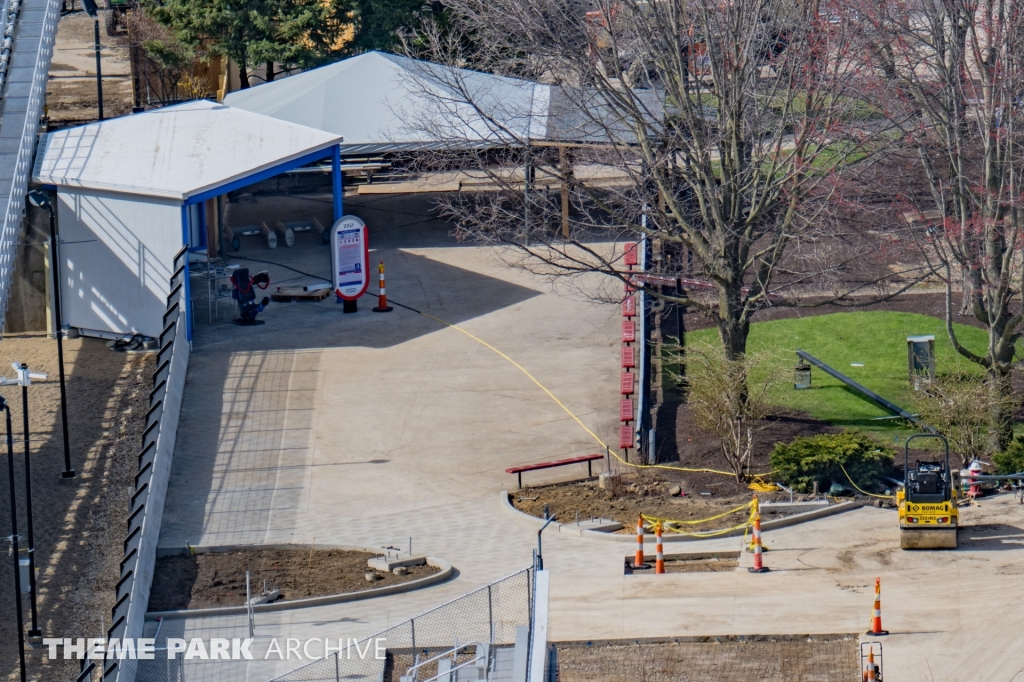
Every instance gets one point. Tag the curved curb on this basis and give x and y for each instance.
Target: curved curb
(445, 573)
(507, 506)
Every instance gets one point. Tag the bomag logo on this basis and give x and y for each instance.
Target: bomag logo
(927, 507)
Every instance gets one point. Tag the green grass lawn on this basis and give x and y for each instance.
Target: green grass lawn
(875, 339)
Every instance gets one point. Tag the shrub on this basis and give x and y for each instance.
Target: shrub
(818, 458)
(1011, 460)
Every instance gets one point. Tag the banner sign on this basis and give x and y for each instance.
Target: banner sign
(350, 257)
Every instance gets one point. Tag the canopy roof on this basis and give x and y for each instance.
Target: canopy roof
(175, 152)
(382, 102)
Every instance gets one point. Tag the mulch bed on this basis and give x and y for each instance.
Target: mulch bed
(212, 580)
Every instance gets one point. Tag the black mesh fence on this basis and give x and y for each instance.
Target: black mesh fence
(488, 616)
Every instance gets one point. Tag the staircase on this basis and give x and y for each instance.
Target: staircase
(29, 28)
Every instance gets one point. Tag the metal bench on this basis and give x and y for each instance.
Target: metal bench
(550, 465)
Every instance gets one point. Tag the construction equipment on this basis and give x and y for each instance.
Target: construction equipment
(117, 15)
(928, 501)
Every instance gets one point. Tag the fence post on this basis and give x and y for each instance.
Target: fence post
(337, 674)
(412, 626)
(490, 617)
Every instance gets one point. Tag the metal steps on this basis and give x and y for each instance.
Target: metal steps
(22, 94)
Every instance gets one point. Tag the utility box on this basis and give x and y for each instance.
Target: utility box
(802, 376)
(920, 360)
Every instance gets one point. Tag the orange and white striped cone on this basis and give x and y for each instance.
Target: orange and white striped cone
(659, 563)
(759, 566)
(638, 560)
(869, 674)
(382, 297)
(876, 616)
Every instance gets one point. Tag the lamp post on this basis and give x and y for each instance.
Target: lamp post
(24, 379)
(90, 8)
(40, 200)
(14, 540)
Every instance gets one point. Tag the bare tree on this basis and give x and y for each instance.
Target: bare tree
(720, 131)
(949, 77)
(960, 407)
(729, 399)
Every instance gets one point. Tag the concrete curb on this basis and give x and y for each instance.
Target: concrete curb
(569, 528)
(446, 571)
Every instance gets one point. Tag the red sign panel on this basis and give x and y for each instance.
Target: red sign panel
(625, 437)
(629, 306)
(628, 357)
(626, 383)
(626, 410)
(628, 331)
(631, 255)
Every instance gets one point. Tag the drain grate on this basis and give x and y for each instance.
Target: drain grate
(1012, 569)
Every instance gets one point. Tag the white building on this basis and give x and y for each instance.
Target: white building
(133, 191)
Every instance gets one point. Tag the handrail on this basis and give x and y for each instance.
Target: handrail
(892, 407)
(440, 656)
(451, 670)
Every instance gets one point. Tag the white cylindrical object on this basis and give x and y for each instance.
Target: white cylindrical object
(24, 568)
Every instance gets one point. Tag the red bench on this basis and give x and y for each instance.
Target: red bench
(550, 465)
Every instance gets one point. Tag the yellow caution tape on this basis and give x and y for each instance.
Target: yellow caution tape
(884, 497)
(570, 413)
(694, 522)
(759, 486)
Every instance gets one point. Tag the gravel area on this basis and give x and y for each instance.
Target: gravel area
(79, 523)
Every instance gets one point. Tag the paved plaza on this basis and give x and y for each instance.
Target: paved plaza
(372, 429)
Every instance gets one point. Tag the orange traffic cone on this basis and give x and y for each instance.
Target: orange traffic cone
(869, 674)
(638, 560)
(382, 297)
(876, 617)
(659, 563)
(759, 566)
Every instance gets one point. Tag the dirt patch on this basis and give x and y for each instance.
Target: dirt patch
(642, 493)
(80, 522)
(211, 580)
(71, 93)
(814, 659)
(707, 562)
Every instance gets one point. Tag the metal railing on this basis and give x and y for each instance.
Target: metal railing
(132, 591)
(488, 615)
(20, 109)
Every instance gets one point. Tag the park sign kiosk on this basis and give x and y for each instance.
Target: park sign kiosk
(350, 259)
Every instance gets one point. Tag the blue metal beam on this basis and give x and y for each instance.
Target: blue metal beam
(336, 181)
(185, 275)
(262, 175)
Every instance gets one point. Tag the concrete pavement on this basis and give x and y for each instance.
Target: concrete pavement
(369, 429)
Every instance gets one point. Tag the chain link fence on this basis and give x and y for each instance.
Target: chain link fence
(488, 615)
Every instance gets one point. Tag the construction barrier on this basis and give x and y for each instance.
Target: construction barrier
(382, 297)
(638, 560)
(759, 566)
(876, 616)
(659, 563)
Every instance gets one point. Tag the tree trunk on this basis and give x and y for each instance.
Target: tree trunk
(1000, 433)
(270, 71)
(243, 75)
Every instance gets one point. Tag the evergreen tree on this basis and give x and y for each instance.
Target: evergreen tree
(300, 33)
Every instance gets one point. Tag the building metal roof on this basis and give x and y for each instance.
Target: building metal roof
(176, 152)
(385, 103)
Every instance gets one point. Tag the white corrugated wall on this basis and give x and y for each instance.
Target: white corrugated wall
(116, 260)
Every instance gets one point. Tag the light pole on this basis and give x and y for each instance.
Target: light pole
(90, 8)
(24, 379)
(40, 200)
(14, 540)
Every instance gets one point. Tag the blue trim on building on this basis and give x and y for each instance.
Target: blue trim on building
(188, 287)
(303, 160)
(337, 182)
